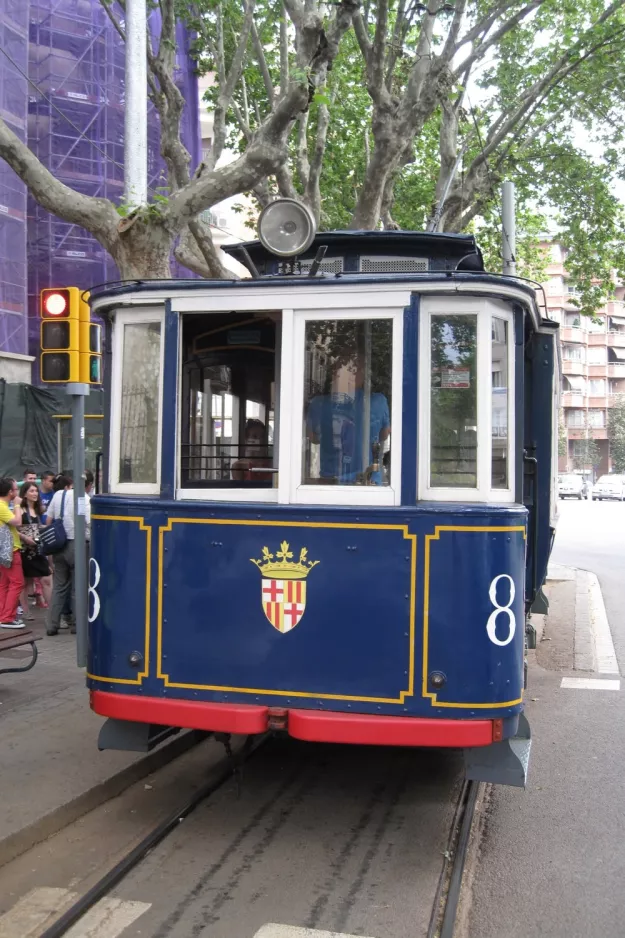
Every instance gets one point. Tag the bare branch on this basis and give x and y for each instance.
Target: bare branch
(301, 153)
(262, 63)
(96, 215)
(284, 54)
(480, 50)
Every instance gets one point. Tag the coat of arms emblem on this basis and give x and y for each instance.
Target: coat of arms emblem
(283, 588)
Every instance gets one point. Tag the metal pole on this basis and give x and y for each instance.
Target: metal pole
(508, 234)
(366, 416)
(78, 392)
(136, 100)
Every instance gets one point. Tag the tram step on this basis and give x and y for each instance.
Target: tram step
(503, 763)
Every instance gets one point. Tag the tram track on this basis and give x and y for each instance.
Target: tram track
(375, 817)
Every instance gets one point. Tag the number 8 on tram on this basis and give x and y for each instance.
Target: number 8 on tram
(328, 497)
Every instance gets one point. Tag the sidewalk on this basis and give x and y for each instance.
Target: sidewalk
(548, 862)
(50, 769)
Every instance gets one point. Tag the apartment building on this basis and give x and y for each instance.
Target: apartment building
(593, 354)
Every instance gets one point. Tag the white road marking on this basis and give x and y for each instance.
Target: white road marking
(26, 918)
(291, 931)
(590, 683)
(40, 907)
(107, 919)
(604, 646)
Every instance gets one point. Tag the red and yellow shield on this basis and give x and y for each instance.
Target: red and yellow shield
(283, 585)
(284, 602)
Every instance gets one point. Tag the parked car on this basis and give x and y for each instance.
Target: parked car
(610, 486)
(570, 486)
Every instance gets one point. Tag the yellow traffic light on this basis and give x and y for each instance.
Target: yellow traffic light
(90, 347)
(60, 335)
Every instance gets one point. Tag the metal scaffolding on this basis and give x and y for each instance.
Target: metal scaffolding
(75, 126)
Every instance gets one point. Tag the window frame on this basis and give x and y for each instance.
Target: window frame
(298, 492)
(122, 319)
(485, 309)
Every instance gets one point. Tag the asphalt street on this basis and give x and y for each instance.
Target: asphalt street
(552, 862)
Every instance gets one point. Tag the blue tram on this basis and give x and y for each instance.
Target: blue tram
(328, 497)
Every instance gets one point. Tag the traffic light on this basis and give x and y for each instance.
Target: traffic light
(60, 335)
(71, 345)
(90, 347)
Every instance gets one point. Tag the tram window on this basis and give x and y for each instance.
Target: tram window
(138, 446)
(347, 402)
(230, 381)
(499, 373)
(453, 416)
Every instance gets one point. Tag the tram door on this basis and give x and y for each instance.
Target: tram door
(229, 393)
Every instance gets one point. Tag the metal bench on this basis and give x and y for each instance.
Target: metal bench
(12, 640)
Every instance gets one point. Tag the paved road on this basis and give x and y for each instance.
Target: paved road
(591, 535)
(553, 857)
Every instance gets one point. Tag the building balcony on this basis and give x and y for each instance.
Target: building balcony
(573, 334)
(598, 371)
(580, 433)
(575, 368)
(573, 399)
(597, 338)
(598, 402)
(616, 370)
(616, 339)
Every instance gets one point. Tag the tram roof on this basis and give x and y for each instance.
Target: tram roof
(443, 250)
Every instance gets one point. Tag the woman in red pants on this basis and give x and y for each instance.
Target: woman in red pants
(11, 578)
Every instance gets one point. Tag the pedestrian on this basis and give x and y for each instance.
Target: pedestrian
(62, 507)
(11, 578)
(34, 564)
(29, 476)
(46, 491)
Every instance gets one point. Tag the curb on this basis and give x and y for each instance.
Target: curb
(593, 645)
(54, 821)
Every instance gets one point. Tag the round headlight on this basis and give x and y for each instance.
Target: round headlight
(286, 227)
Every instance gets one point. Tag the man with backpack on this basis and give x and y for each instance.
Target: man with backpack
(11, 573)
(61, 509)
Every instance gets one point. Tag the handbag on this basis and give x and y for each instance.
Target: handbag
(53, 538)
(6, 546)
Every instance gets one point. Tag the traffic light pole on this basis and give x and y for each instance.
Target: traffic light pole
(78, 392)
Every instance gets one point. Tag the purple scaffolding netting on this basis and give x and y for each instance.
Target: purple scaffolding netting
(13, 109)
(76, 58)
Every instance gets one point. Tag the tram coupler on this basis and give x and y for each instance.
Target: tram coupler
(502, 763)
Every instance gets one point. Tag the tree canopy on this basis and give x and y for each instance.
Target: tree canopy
(396, 113)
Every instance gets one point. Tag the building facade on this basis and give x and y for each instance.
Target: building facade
(593, 366)
(72, 116)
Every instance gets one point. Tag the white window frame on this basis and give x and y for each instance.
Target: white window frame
(122, 319)
(485, 309)
(300, 493)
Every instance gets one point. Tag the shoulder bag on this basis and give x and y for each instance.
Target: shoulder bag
(53, 538)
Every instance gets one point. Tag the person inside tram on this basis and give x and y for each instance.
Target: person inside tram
(336, 422)
(255, 455)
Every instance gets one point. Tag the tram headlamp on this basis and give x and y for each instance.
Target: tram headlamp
(286, 227)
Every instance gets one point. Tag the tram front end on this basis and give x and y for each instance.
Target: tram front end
(327, 502)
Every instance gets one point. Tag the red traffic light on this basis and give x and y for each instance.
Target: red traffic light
(55, 304)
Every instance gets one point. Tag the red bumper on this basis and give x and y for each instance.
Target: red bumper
(313, 725)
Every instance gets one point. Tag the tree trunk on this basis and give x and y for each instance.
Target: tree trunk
(142, 250)
(369, 206)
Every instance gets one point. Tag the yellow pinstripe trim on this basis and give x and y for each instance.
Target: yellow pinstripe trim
(148, 581)
(426, 615)
(293, 524)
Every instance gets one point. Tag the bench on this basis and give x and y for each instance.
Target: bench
(11, 640)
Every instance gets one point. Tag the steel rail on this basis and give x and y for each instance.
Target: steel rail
(223, 772)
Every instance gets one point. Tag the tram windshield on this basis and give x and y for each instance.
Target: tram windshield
(347, 402)
(229, 391)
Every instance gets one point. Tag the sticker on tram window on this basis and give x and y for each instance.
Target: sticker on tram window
(456, 378)
(501, 609)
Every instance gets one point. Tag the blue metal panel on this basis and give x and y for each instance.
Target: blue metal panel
(378, 603)
(170, 394)
(120, 597)
(409, 403)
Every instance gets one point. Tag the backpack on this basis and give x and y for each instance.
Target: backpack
(53, 538)
(6, 546)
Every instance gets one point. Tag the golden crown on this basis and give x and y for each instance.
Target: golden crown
(283, 568)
